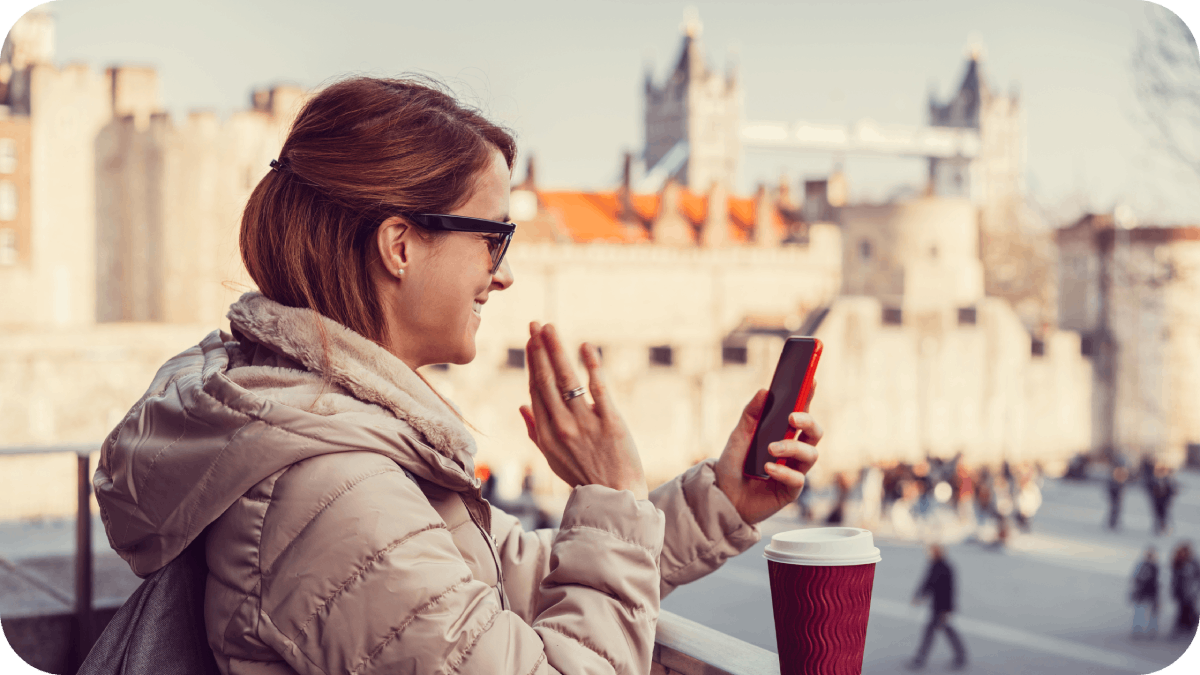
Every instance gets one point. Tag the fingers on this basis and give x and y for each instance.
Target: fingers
(543, 380)
(564, 372)
(800, 455)
(539, 372)
(596, 383)
(790, 478)
(806, 424)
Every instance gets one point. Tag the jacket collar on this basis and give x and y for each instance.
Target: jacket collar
(366, 370)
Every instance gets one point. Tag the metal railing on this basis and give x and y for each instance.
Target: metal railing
(85, 633)
(681, 646)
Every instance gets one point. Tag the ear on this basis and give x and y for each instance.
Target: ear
(394, 239)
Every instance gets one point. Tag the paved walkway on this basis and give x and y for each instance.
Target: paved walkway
(1052, 601)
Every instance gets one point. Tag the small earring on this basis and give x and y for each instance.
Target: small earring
(400, 272)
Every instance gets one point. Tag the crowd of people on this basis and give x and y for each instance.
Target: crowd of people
(930, 496)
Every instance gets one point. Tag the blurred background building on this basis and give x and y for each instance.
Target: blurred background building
(940, 310)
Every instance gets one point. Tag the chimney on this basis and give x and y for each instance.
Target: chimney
(714, 233)
(765, 207)
(523, 199)
(670, 227)
(530, 182)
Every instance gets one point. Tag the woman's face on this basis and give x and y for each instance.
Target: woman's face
(435, 307)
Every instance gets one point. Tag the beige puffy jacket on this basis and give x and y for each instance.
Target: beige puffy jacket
(345, 531)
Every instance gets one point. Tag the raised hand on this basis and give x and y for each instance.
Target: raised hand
(584, 443)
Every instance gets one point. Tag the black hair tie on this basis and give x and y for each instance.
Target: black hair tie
(278, 165)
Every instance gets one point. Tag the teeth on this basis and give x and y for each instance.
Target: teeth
(477, 308)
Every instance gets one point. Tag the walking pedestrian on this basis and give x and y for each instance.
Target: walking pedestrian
(1144, 595)
(872, 495)
(1162, 493)
(838, 514)
(1029, 500)
(1185, 587)
(939, 587)
(1116, 487)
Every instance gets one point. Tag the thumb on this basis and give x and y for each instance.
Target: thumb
(753, 411)
(530, 425)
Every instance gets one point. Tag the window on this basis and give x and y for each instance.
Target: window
(733, 354)
(661, 356)
(8, 247)
(1038, 347)
(516, 359)
(966, 316)
(8, 200)
(8, 155)
(892, 316)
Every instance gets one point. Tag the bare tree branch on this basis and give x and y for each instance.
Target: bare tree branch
(1166, 78)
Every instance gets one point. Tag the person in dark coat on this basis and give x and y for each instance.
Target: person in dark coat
(1144, 595)
(838, 514)
(1162, 493)
(939, 586)
(1116, 486)
(1185, 588)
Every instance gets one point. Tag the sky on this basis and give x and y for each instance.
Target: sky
(568, 76)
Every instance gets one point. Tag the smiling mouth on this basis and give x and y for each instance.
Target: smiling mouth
(477, 307)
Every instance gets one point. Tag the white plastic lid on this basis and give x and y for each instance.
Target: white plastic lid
(826, 546)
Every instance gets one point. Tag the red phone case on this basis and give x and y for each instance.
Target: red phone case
(803, 399)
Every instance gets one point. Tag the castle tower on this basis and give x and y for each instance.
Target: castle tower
(693, 119)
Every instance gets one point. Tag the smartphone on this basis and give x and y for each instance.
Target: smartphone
(791, 390)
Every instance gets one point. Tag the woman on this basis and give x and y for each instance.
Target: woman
(344, 529)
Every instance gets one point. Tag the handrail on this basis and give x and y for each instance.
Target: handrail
(77, 448)
(84, 572)
(685, 647)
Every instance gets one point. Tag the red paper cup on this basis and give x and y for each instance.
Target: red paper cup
(821, 591)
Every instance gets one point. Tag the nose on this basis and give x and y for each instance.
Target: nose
(503, 278)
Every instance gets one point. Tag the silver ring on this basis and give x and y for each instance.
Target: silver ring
(568, 395)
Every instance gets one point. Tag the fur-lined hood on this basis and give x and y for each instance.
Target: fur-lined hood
(232, 411)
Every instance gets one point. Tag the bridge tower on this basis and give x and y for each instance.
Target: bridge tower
(693, 119)
(998, 171)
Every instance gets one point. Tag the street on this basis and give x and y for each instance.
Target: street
(1055, 600)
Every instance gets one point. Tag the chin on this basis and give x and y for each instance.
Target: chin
(464, 355)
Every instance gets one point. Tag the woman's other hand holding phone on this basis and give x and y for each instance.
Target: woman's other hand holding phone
(757, 500)
(584, 443)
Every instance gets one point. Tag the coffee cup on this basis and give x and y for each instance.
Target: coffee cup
(821, 581)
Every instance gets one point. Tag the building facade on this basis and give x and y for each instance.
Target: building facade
(1133, 294)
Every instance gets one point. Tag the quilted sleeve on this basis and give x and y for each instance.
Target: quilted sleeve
(703, 529)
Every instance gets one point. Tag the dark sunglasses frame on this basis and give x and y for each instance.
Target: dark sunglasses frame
(438, 221)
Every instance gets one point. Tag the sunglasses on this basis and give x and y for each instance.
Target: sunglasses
(497, 245)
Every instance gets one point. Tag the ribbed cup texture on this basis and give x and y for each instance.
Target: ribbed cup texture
(821, 617)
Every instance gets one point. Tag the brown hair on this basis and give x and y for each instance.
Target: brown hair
(360, 151)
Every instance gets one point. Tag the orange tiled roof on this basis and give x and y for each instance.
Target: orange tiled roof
(596, 216)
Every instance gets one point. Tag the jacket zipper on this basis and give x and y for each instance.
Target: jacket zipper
(491, 541)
